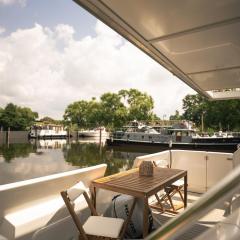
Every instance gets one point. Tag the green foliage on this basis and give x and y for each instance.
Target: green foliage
(48, 120)
(112, 110)
(140, 104)
(90, 154)
(17, 118)
(76, 113)
(194, 106)
(222, 114)
(114, 113)
(176, 116)
(16, 150)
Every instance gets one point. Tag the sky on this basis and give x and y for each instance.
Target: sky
(53, 53)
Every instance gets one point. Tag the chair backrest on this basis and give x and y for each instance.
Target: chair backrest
(236, 158)
(69, 196)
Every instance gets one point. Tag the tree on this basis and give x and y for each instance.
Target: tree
(112, 110)
(140, 104)
(76, 113)
(194, 106)
(48, 120)
(17, 118)
(114, 113)
(1, 112)
(213, 113)
(176, 116)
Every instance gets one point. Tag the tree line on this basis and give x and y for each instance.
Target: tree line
(16, 118)
(114, 110)
(215, 115)
(111, 110)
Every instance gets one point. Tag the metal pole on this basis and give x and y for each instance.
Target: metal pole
(8, 136)
(100, 136)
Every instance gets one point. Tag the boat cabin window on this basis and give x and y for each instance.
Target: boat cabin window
(184, 134)
(178, 134)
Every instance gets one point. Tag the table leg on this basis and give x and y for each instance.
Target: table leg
(93, 195)
(185, 191)
(145, 216)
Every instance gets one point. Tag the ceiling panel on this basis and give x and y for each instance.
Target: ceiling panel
(196, 40)
(156, 18)
(205, 50)
(218, 80)
(234, 94)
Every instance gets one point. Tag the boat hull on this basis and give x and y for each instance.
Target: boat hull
(199, 146)
(235, 140)
(89, 134)
(64, 136)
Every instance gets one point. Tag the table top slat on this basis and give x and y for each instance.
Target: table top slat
(131, 181)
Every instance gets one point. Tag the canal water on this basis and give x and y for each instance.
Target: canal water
(30, 159)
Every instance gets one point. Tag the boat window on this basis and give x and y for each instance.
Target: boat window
(178, 133)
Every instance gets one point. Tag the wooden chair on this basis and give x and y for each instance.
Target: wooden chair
(170, 191)
(96, 227)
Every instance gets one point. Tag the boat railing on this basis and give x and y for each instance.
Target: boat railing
(224, 191)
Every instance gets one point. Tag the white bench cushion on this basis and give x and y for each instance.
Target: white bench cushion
(103, 226)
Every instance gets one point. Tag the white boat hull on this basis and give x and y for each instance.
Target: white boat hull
(92, 133)
(48, 134)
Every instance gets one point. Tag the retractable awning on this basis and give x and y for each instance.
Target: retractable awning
(198, 41)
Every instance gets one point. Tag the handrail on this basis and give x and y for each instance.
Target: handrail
(225, 189)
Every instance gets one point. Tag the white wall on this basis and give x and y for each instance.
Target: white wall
(204, 168)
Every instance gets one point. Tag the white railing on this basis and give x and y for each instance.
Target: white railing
(221, 192)
(201, 166)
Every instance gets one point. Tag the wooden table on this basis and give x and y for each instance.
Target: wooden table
(130, 183)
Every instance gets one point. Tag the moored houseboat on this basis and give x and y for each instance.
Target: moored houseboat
(180, 135)
(47, 131)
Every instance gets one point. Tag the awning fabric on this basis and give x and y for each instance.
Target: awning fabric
(198, 41)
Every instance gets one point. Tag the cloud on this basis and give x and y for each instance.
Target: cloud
(47, 69)
(2, 29)
(10, 2)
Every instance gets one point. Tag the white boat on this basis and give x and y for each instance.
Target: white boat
(198, 41)
(48, 131)
(96, 132)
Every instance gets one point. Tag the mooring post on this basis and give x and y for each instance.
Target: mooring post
(68, 135)
(100, 136)
(8, 136)
(77, 135)
(2, 134)
(36, 132)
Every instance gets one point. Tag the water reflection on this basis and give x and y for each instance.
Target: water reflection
(43, 157)
(90, 154)
(50, 144)
(11, 151)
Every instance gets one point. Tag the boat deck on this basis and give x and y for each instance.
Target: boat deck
(205, 223)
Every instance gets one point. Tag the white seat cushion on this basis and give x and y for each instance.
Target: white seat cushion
(178, 183)
(103, 226)
(161, 163)
(76, 190)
